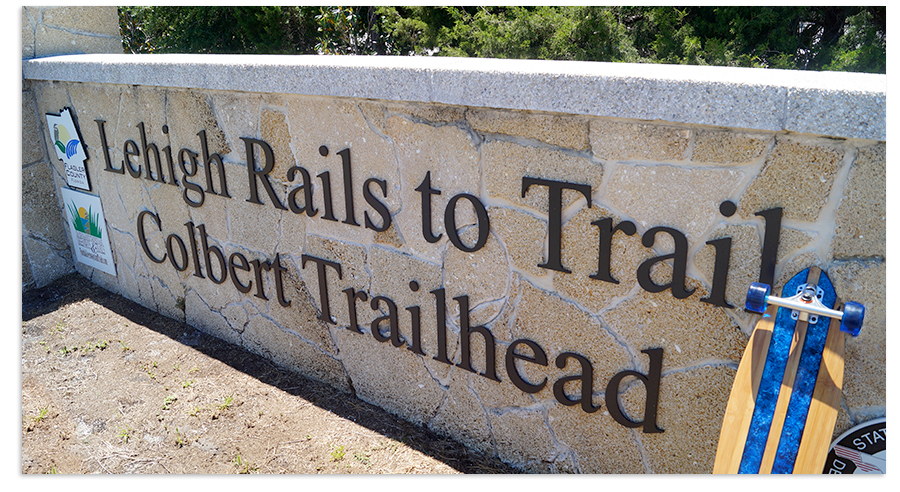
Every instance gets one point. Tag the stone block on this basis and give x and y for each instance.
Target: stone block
(558, 130)
(100, 102)
(48, 263)
(274, 131)
(798, 176)
(268, 338)
(339, 129)
(462, 415)
(32, 130)
(300, 316)
(392, 275)
(207, 318)
(392, 378)
(691, 406)
(865, 356)
(531, 451)
(523, 235)
(256, 226)
(53, 41)
(861, 223)
(187, 114)
(450, 162)
(650, 320)
(354, 273)
(96, 20)
(614, 141)
(653, 195)
(378, 113)
(746, 256)
(580, 254)
(168, 299)
(239, 117)
(594, 443)
(558, 326)
(41, 215)
(483, 276)
(724, 147)
(29, 22)
(506, 163)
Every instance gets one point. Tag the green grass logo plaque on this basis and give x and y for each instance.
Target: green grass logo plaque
(84, 214)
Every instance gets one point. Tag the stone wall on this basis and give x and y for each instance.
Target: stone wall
(48, 31)
(578, 272)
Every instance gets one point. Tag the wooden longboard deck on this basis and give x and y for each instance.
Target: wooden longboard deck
(783, 406)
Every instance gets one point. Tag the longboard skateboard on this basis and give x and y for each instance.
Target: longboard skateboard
(784, 402)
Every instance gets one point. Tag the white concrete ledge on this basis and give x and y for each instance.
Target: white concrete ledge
(835, 104)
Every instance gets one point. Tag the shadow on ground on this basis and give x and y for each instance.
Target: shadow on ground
(74, 288)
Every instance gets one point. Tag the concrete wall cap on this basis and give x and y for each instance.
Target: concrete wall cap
(837, 104)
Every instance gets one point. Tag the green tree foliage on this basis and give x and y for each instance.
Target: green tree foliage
(263, 30)
(847, 38)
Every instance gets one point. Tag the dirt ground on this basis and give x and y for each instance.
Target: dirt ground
(110, 387)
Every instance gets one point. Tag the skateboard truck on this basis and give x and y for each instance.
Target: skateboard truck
(806, 305)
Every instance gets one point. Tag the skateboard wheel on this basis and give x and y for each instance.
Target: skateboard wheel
(852, 320)
(756, 297)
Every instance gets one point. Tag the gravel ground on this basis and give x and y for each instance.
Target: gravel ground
(109, 387)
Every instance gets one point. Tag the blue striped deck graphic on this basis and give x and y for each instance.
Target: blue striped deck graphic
(773, 376)
(804, 385)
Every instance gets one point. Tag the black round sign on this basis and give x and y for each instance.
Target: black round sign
(859, 450)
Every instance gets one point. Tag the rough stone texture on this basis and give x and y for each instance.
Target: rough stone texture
(722, 147)
(339, 125)
(353, 274)
(695, 406)
(523, 236)
(861, 223)
(32, 129)
(256, 226)
(49, 31)
(506, 163)
(274, 130)
(483, 276)
(533, 452)
(45, 254)
(807, 109)
(636, 141)
(652, 196)
(397, 287)
(635, 322)
(461, 414)
(594, 443)
(798, 176)
(580, 252)
(392, 378)
(552, 129)
(266, 338)
(653, 172)
(241, 118)
(850, 105)
(746, 256)
(88, 19)
(541, 317)
(30, 16)
(452, 161)
(46, 262)
(744, 261)
(39, 204)
(66, 30)
(865, 356)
